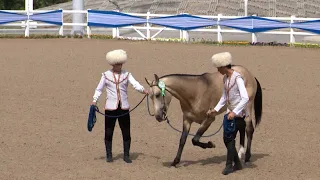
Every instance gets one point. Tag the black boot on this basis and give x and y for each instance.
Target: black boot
(126, 150)
(231, 151)
(108, 145)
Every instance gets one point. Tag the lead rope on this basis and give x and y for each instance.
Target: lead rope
(189, 134)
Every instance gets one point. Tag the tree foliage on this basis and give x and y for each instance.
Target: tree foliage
(20, 4)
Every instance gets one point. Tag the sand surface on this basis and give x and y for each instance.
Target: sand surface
(46, 89)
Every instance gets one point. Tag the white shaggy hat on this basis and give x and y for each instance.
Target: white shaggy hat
(117, 56)
(221, 59)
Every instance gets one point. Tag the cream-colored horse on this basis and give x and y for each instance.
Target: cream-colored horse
(198, 93)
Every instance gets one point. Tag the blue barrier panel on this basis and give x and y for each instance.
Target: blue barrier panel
(254, 24)
(312, 26)
(52, 17)
(112, 19)
(183, 22)
(8, 17)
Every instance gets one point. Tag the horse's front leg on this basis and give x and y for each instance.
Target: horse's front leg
(203, 128)
(184, 135)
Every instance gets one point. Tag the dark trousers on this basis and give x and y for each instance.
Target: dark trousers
(231, 127)
(124, 123)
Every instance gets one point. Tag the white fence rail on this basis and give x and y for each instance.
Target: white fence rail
(184, 35)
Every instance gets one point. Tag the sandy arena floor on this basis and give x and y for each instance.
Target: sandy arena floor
(46, 89)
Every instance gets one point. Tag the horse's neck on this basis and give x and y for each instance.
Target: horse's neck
(181, 87)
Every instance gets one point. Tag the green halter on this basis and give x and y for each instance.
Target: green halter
(162, 86)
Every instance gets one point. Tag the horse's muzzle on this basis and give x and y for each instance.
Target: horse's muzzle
(160, 118)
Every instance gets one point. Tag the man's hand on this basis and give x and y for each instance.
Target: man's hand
(231, 115)
(145, 91)
(211, 112)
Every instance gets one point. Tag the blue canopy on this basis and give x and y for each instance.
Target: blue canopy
(112, 19)
(8, 17)
(254, 24)
(312, 26)
(183, 22)
(52, 17)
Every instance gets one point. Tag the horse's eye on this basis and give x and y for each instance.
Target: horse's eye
(157, 95)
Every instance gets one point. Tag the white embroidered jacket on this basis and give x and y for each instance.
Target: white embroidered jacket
(234, 95)
(116, 88)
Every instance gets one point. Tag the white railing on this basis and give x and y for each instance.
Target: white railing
(184, 35)
(27, 25)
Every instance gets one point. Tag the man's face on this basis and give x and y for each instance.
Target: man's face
(117, 67)
(222, 70)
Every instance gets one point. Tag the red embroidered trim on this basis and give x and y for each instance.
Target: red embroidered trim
(108, 79)
(117, 85)
(115, 79)
(228, 87)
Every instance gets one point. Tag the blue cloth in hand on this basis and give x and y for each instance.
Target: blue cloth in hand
(229, 127)
(92, 119)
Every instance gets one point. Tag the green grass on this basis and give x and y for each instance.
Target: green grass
(170, 40)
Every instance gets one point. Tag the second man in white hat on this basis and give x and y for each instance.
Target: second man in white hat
(235, 96)
(116, 82)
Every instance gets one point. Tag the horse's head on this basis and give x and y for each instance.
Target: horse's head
(160, 97)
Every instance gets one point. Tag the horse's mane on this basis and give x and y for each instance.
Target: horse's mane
(190, 75)
(202, 77)
(184, 75)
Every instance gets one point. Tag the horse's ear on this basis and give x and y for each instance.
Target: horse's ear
(156, 78)
(148, 82)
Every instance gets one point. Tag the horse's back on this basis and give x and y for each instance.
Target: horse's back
(212, 92)
(249, 79)
(215, 80)
(210, 86)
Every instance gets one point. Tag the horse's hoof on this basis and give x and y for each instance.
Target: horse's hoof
(247, 158)
(194, 142)
(248, 164)
(173, 165)
(211, 145)
(175, 162)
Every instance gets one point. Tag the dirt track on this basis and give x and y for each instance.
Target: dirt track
(47, 85)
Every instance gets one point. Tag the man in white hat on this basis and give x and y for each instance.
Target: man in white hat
(236, 97)
(116, 82)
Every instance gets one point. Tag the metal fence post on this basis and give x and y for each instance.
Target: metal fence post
(292, 37)
(219, 35)
(253, 35)
(148, 25)
(61, 27)
(88, 27)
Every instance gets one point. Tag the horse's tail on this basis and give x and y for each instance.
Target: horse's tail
(258, 103)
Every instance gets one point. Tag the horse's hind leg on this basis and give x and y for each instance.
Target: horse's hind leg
(242, 131)
(184, 135)
(196, 139)
(249, 132)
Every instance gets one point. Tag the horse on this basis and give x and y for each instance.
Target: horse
(197, 93)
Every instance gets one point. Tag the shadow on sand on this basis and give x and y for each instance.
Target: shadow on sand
(133, 156)
(217, 160)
